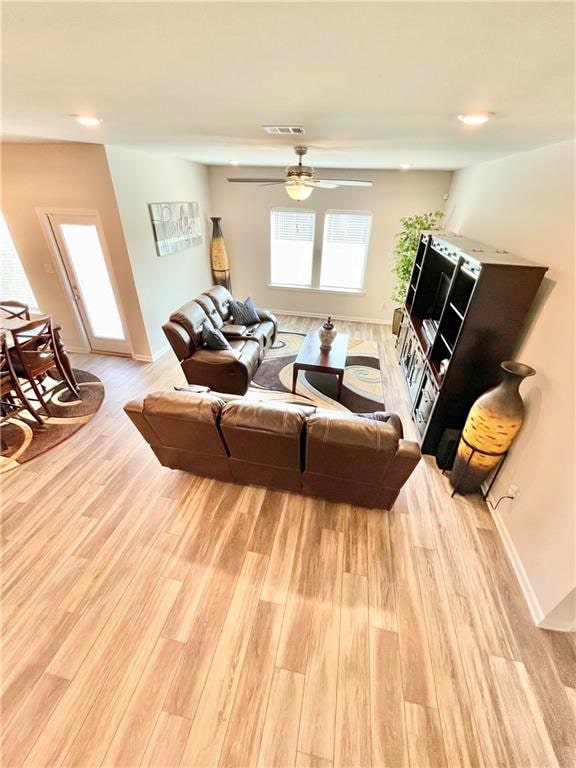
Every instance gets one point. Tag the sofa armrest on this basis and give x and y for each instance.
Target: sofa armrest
(135, 410)
(232, 331)
(403, 464)
(265, 314)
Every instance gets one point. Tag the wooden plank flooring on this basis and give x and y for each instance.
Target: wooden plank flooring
(158, 619)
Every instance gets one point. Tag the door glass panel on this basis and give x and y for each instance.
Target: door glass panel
(85, 252)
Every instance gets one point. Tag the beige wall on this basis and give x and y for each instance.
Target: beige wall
(245, 211)
(66, 176)
(163, 283)
(525, 204)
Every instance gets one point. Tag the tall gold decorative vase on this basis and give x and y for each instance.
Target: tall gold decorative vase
(491, 427)
(219, 255)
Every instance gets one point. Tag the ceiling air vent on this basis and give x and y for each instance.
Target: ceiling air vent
(284, 130)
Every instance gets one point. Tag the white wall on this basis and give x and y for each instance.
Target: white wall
(163, 283)
(525, 204)
(245, 211)
(65, 176)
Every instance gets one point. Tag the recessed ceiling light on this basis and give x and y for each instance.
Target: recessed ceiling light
(234, 162)
(475, 118)
(88, 121)
(406, 166)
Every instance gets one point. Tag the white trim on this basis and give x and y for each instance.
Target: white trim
(532, 601)
(78, 350)
(153, 357)
(530, 596)
(309, 289)
(559, 627)
(347, 318)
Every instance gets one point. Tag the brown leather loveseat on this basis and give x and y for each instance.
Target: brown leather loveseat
(227, 370)
(336, 455)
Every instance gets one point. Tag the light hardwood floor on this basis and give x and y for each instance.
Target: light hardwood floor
(155, 618)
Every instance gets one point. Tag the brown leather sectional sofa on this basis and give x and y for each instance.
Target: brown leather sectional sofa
(336, 455)
(228, 370)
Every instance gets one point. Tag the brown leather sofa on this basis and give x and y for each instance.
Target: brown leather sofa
(228, 370)
(336, 455)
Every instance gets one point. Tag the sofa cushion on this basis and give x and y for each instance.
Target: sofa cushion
(345, 446)
(192, 317)
(263, 432)
(221, 297)
(212, 338)
(210, 309)
(185, 420)
(244, 312)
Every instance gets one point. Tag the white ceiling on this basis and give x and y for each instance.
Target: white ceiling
(375, 84)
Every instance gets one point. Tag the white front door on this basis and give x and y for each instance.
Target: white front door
(82, 247)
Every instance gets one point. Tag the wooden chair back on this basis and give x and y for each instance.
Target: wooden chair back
(6, 374)
(35, 346)
(12, 397)
(15, 309)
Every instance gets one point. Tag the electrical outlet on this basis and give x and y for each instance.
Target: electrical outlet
(514, 491)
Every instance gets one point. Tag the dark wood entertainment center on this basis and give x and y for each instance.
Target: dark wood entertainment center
(464, 312)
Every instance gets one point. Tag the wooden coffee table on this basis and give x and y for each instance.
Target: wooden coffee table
(312, 358)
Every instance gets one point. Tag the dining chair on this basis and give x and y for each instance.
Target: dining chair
(12, 397)
(15, 309)
(36, 353)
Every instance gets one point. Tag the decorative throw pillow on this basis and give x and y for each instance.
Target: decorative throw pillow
(244, 312)
(213, 338)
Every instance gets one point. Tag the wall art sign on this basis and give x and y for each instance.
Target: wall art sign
(177, 226)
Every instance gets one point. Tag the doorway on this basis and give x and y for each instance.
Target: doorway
(82, 248)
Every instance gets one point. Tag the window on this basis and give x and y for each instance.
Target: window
(344, 250)
(14, 284)
(291, 246)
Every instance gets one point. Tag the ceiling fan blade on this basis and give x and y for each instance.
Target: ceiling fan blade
(324, 184)
(257, 181)
(345, 182)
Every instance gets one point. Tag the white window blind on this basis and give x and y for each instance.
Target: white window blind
(344, 249)
(291, 246)
(14, 284)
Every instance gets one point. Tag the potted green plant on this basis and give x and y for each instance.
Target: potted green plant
(404, 253)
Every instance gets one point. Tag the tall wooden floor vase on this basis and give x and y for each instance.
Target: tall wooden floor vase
(219, 255)
(491, 427)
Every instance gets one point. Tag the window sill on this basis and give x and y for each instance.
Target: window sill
(307, 289)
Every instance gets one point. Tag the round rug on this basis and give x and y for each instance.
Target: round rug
(362, 391)
(23, 438)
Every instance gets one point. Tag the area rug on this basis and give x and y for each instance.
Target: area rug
(362, 390)
(24, 439)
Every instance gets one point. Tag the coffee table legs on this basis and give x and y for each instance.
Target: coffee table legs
(339, 375)
(295, 370)
(340, 383)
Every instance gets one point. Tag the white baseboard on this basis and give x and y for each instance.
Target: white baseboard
(529, 595)
(349, 318)
(557, 626)
(153, 357)
(78, 350)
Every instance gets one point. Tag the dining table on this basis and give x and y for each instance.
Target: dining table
(10, 324)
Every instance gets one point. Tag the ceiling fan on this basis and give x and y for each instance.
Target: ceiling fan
(300, 181)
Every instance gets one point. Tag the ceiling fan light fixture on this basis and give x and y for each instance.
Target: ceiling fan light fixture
(298, 192)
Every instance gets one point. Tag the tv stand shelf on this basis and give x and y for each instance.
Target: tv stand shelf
(477, 298)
